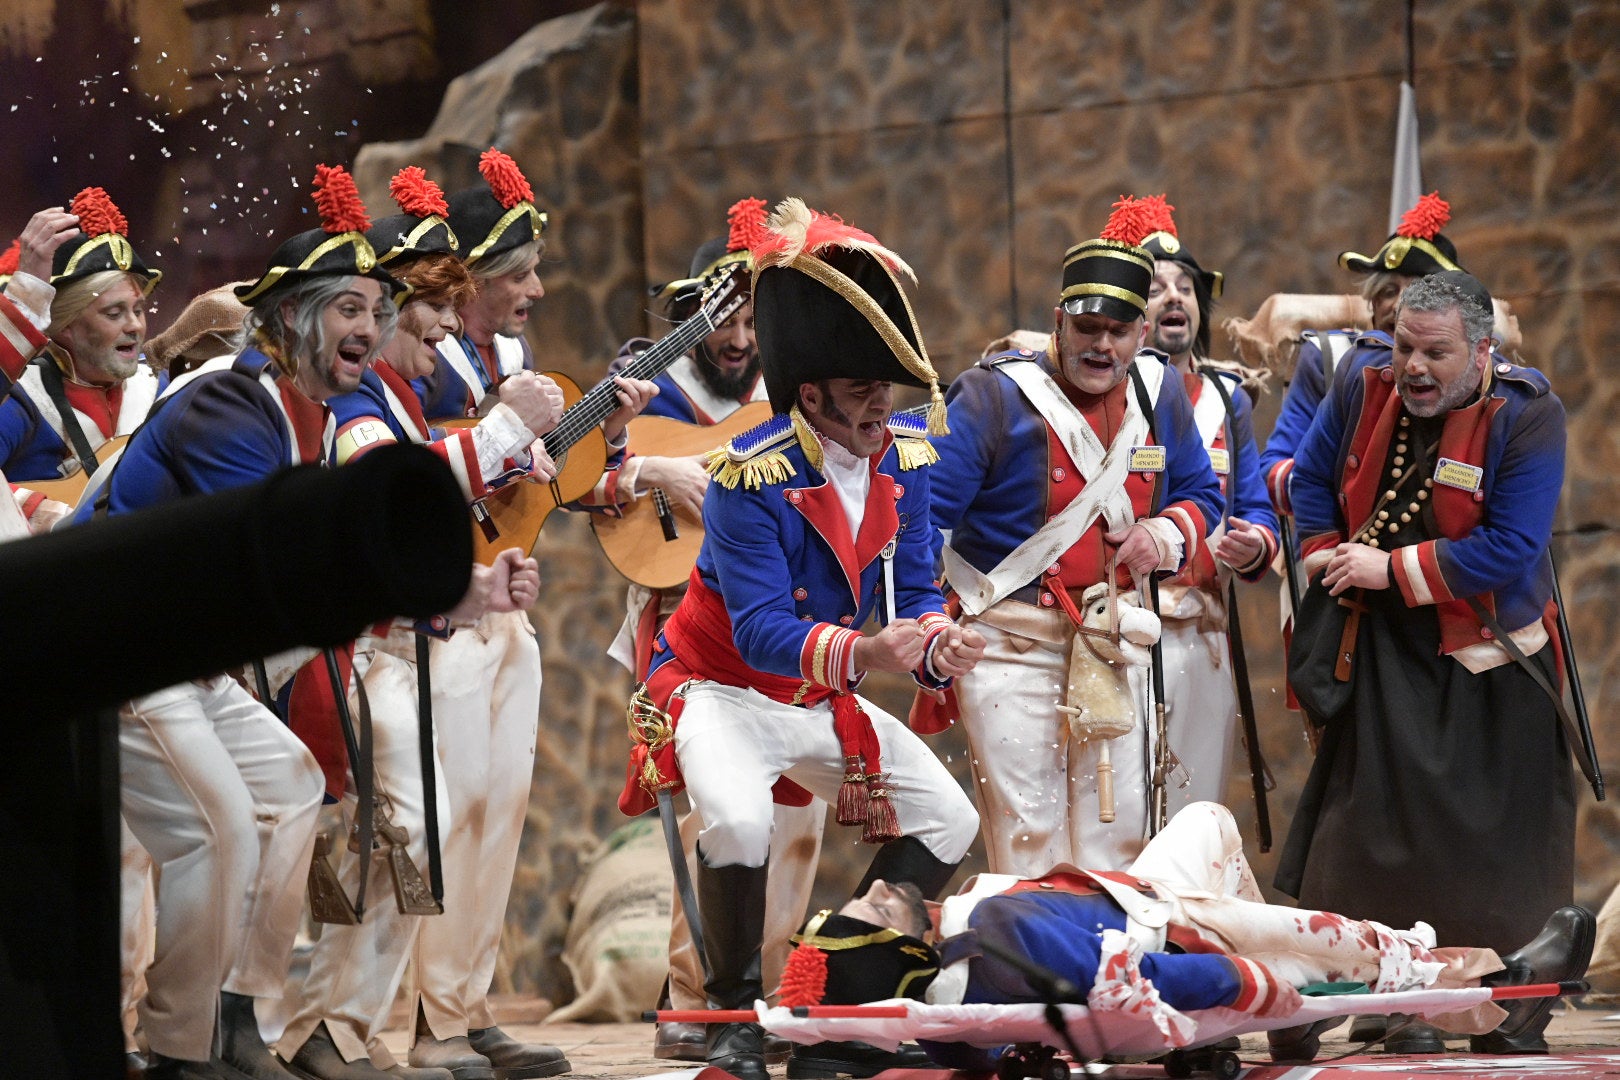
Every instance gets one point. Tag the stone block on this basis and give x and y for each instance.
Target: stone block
(741, 71)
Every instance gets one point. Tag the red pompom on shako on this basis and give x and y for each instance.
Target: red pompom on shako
(1110, 275)
(1427, 217)
(416, 194)
(338, 200)
(10, 258)
(103, 244)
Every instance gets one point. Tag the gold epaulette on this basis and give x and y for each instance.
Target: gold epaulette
(911, 443)
(754, 458)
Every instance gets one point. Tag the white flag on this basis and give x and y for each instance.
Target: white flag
(1407, 182)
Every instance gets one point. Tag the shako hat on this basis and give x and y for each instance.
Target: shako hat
(498, 217)
(1111, 274)
(1416, 247)
(745, 221)
(338, 247)
(421, 229)
(102, 244)
(8, 261)
(845, 961)
(828, 305)
(1164, 243)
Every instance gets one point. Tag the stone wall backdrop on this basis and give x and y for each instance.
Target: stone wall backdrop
(978, 139)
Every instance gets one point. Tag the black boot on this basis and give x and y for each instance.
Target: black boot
(240, 1044)
(826, 1060)
(1559, 953)
(731, 900)
(907, 859)
(1302, 1042)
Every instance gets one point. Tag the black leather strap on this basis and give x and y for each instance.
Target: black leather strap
(430, 785)
(50, 376)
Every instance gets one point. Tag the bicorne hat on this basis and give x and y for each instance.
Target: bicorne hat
(746, 227)
(421, 229)
(828, 305)
(1416, 247)
(1111, 274)
(102, 244)
(1164, 243)
(499, 216)
(338, 247)
(845, 961)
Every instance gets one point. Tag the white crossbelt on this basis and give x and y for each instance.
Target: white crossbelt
(1103, 496)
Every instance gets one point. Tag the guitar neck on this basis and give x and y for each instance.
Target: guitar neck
(586, 414)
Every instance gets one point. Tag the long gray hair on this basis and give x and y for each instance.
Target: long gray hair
(303, 336)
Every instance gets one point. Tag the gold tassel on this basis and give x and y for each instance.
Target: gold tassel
(771, 468)
(937, 413)
(915, 453)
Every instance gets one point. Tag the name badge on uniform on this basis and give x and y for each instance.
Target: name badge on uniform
(1456, 474)
(1147, 459)
(1220, 460)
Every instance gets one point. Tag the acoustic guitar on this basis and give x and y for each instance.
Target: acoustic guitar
(68, 488)
(513, 515)
(652, 544)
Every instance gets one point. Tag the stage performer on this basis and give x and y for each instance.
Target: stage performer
(1416, 249)
(1199, 690)
(1184, 927)
(1053, 469)
(355, 969)
(486, 677)
(817, 520)
(215, 787)
(718, 376)
(87, 382)
(1427, 489)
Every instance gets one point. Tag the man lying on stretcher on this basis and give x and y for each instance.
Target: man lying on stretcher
(1185, 928)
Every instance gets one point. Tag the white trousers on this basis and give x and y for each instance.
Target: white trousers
(1202, 710)
(795, 850)
(486, 704)
(733, 743)
(1037, 786)
(1196, 865)
(224, 797)
(137, 926)
(355, 971)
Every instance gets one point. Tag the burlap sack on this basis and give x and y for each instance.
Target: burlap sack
(617, 948)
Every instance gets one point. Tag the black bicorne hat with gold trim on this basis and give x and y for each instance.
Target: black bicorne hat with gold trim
(1111, 274)
(421, 229)
(338, 247)
(1416, 247)
(498, 217)
(102, 244)
(746, 221)
(1164, 243)
(828, 305)
(845, 961)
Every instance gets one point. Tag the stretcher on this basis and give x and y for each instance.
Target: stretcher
(1185, 1043)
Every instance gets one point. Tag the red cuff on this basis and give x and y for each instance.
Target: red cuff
(1277, 485)
(824, 658)
(1417, 574)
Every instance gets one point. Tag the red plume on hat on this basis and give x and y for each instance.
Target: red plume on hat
(338, 200)
(97, 214)
(416, 194)
(1131, 220)
(1427, 217)
(796, 230)
(10, 257)
(747, 220)
(504, 177)
(1159, 214)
